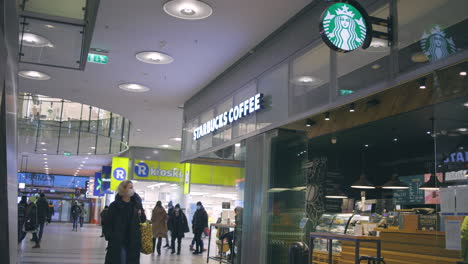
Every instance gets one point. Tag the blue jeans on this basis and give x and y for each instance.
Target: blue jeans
(123, 255)
(75, 223)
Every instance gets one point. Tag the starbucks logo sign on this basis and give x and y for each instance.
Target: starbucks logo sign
(436, 44)
(344, 26)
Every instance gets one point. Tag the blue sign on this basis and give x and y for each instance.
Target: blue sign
(98, 184)
(106, 178)
(141, 169)
(120, 174)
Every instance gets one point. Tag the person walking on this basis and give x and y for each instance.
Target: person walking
(22, 205)
(179, 226)
(83, 214)
(75, 214)
(170, 212)
(199, 223)
(104, 214)
(51, 212)
(31, 223)
(42, 215)
(122, 226)
(159, 221)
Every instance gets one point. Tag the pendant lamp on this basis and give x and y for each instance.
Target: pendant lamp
(433, 184)
(395, 184)
(363, 183)
(336, 193)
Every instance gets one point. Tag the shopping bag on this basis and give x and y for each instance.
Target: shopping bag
(206, 231)
(146, 238)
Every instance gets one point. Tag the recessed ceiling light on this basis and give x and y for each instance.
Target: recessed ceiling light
(89, 153)
(44, 149)
(422, 83)
(238, 144)
(462, 129)
(45, 154)
(49, 26)
(419, 57)
(45, 162)
(395, 139)
(34, 75)
(81, 165)
(165, 146)
(92, 147)
(306, 80)
(155, 151)
(376, 66)
(43, 143)
(463, 73)
(366, 145)
(154, 57)
(33, 40)
(86, 158)
(138, 130)
(378, 43)
(133, 87)
(188, 9)
(45, 158)
(465, 104)
(178, 139)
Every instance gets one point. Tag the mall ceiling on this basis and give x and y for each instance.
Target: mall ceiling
(202, 50)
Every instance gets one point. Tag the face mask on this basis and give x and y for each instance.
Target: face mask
(177, 209)
(130, 192)
(198, 207)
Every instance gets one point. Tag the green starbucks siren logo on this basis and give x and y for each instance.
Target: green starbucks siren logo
(344, 28)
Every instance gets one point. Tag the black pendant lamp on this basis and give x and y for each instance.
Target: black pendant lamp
(363, 183)
(395, 184)
(336, 193)
(433, 184)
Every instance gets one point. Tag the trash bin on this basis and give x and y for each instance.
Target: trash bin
(298, 253)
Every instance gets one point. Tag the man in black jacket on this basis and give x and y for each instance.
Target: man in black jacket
(199, 223)
(42, 214)
(22, 205)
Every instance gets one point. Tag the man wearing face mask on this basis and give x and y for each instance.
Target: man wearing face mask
(199, 223)
(122, 229)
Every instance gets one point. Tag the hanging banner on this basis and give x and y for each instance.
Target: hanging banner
(119, 171)
(106, 179)
(158, 171)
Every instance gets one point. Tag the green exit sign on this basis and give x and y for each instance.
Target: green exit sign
(97, 58)
(68, 154)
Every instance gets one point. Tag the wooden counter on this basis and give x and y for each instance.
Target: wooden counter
(406, 247)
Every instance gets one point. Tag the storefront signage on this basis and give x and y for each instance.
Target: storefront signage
(436, 44)
(457, 157)
(98, 190)
(187, 178)
(345, 26)
(159, 171)
(413, 195)
(243, 109)
(119, 171)
(456, 175)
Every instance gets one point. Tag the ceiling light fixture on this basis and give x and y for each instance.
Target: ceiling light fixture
(34, 41)
(34, 75)
(363, 183)
(49, 26)
(352, 108)
(463, 73)
(188, 9)
(327, 116)
(155, 152)
(92, 147)
(133, 87)
(43, 143)
(366, 145)
(178, 139)
(378, 43)
(154, 57)
(465, 104)
(337, 193)
(395, 139)
(164, 146)
(462, 129)
(44, 149)
(237, 145)
(306, 80)
(422, 83)
(395, 184)
(310, 123)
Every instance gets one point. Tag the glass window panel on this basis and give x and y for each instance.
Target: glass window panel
(103, 145)
(116, 131)
(115, 145)
(190, 145)
(430, 30)
(274, 87)
(104, 122)
(85, 118)
(71, 115)
(87, 143)
(51, 43)
(225, 133)
(246, 124)
(63, 8)
(48, 138)
(68, 141)
(309, 80)
(206, 141)
(361, 68)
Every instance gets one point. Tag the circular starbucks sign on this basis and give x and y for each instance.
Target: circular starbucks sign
(344, 27)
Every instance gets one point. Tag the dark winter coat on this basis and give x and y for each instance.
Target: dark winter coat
(200, 221)
(42, 209)
(31, 220)
(104, 214)
(179, 225)
(170, 213)
(51, 211)
(122, 229)
(75, 211)
(22, 213)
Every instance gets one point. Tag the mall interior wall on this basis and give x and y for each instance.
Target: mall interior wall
(8, 166)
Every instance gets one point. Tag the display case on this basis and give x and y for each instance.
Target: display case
(356, 219)
(331, 223)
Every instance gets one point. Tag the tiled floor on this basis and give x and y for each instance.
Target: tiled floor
(61, 245)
